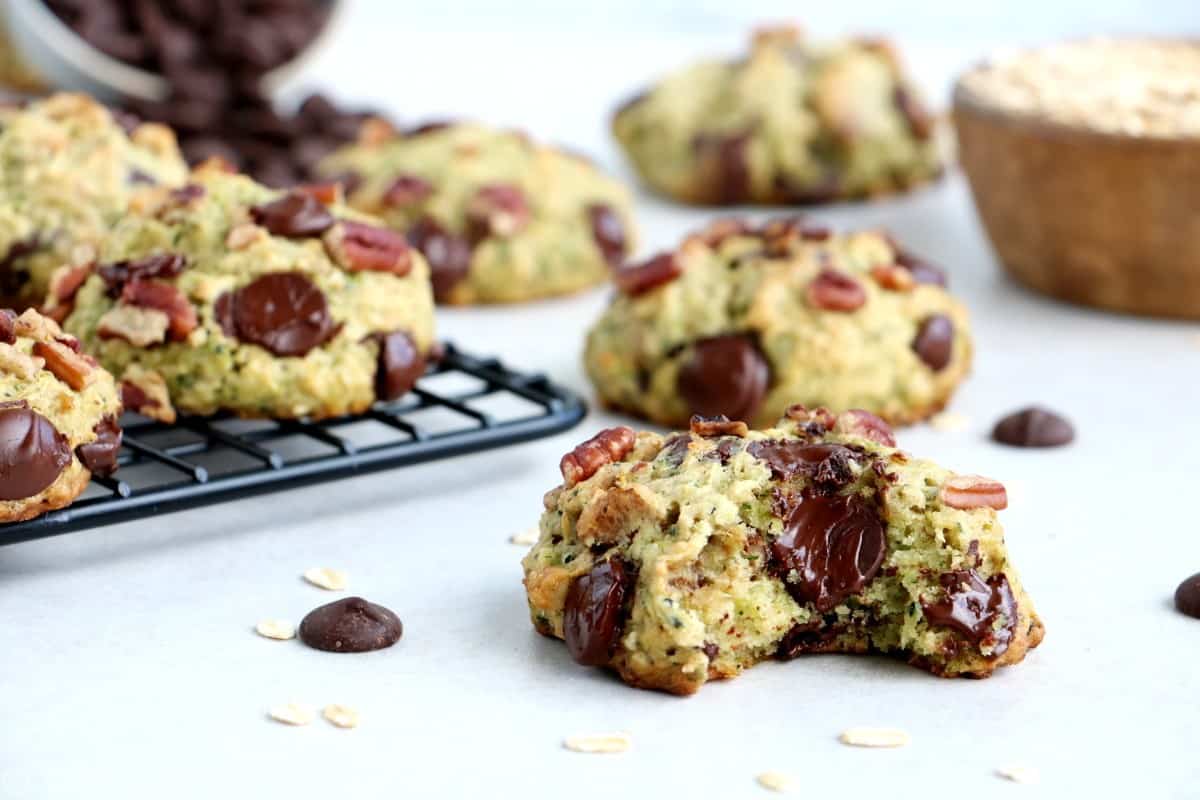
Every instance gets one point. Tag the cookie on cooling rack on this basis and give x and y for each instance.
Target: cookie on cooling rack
(499, 218)
(676, 560)
(224, 295)
(58, 417)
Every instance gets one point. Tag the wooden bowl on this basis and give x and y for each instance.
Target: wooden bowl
(1103, 219)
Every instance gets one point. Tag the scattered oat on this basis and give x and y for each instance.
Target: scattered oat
(527, 537)
(292, 714)
(874, 737)
(602, 743)
(1019, 774)
(949, 421)
(775, 781)
(276, 629)
(342, 716)
(332, 579)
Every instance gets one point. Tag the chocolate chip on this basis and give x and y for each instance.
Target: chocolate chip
(934, 343)
(608, 231)
(406, 191)
(449, 256)
(724, 160)
(675, 449)
(831, 547)
(352, 625)
(100, 455)
(725, 375)
(8, 327)
(296, 215)
(592, 612)
(971, 607)
(1187, 596)
(158, 265)
(1033, 427)
(922, 271)
(788, 458)
(639, 278)
(32, 453)
(400, 365)
(283, 312)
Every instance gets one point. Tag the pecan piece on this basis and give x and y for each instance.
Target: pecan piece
(967, 492)
(244, 235)
(167, 299)
(66, 280)
(640, 278)
(33, 325)
(498, 209)
(145, 392)
(720, 425)
(328, 192)
(406, 191)
(857, 422)
(70, 367)
(141, 327)
(607, 446)
(835, 291)
(366, 248)
(893, 277)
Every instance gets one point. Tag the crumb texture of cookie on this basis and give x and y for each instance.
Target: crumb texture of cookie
(223, 295)
(68, 170)
(58, 417)
(676, 560)
(793, 122)
(746, 320)
(500, 218)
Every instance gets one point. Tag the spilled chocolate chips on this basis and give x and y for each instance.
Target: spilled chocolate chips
(725, 375)
(592, 614)
(971, 607)
(32, 451)
(1034, 427)
(283, 312)
(1187, 596)
(351, 625)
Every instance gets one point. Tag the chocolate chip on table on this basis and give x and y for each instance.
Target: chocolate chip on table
(448, 254)
(400, 365)
(100, 455)
(32, 452)
(831, 547)
(592, 612)
(296, 215)
(1187, 596)
(284, 312)
(971, 607)
(637, 279)
(934, 342)
(608, 231)
(725, 375)
(351, 625)
(1034, 427)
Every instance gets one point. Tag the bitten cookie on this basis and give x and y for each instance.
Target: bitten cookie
(794, 122)
(499, 218)
(68, 169)
(58, 417)
(682, 559)
(745, 321)
(226, 295)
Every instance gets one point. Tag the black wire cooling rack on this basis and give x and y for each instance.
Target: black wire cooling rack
(464, 404)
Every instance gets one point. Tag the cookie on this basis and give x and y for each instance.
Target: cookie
(58, 417)
(68, 170)
(793, 122)
(745, 321)
(499, 218)
(224, 295)
(687, 558)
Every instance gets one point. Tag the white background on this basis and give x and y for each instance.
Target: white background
(128, 665)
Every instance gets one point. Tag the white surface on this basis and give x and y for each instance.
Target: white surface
(129, 667)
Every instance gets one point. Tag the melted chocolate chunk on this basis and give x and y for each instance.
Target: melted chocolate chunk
(32, 452)
(352, 625)
(592, 612)
(831, 547)
(827, 465)
(283, 312)
(608, 232)
(972, 606)
(296, 215)
(400, 365)
(726, 375)
(934, 343)
(1187, 596)
(808, 637)
(1034, 427)
(100, 456)
(676, 449)
(158, 265)
(449, 255)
